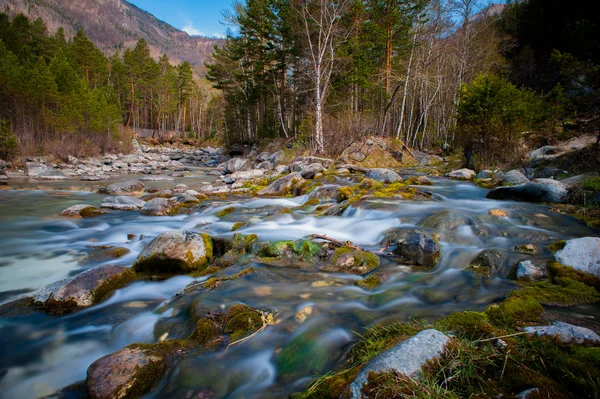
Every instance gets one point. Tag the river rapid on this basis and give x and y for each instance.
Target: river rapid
(42, 353)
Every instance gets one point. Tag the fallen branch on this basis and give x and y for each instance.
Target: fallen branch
(336, 242)
(267, 319)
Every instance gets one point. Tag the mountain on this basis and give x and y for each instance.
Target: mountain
(116, 24)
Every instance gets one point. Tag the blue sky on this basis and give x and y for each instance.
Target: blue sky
(196, 17)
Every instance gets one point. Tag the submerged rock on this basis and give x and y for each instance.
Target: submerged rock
(406, 358)
(462, 174)
(581, 254)
(353, 261)
(175, 252)
(420, 248)
(282, 185)
(514, 177)
(528, 270)
(539, 190)
(489, 262)
(122, 203)
(128, 373)
(83, 290)
(384, 175)
(565, 332)
(123, 188)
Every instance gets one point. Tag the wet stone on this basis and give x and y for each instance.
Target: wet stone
(566, 333)
(420, 248)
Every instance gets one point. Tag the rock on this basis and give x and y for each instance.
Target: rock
(424, 180)
(122, 203)
(175, 252)
(311, 170)
(262, 157)
(566, 333)
(123, 188)
(51, 174)
(499, 213)
(325, 162)
(81, 210)
(90, 178)
(539, 190)
(84, 289)
(514, 177)
(282, 169)
(406, 358)
(531, 271)
(266, 165)
(129, 372)
(353, 261)
(462, 174)
(384, 175)
(276, 158)
(581, 254)
(33, 169)
(549, 172)
(157, 207)
(237, 165)
(246, 175)
(421, 249)
(484, 174)
(206, 189)
(281, 185)
(489, 262)
(157, 178)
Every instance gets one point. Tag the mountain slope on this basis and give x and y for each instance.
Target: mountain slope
(114, 24)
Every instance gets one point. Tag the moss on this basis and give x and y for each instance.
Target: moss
(214, 282)
(363, 261)
(146, 378)
(207, 333)
(285, 210)
(225, 212)
(241, 321)
(312, 202)
(515, 311)
(371, 184)
(471, 325)
(485, 183)
(108, 287)
(118, 252)
(563, 292)
(90, 212)
(591, 183)
(557, 246)
(559, 270)
(344, 193)
(370, 282)
(206, 272)
(208, 246)
(239, 225)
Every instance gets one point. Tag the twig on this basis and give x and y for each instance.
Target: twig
(504, 336)
(504, 367)
(265, 320)
(336, 242)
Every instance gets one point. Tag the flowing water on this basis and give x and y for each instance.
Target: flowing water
(43, 353)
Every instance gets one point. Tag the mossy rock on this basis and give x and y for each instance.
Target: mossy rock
(370, 282)
(207, 333)
(225, 212)
(344, 193)
(564, 292)
(305, 251)
(472, 325)
(516, 311)
(557, 246)
(238, 225)
(102, 254)
(559, 270)
(91, 212)
(303, 355)
(349, 260)
(241, 321)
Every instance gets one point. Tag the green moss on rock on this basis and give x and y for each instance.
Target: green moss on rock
(225, 212)
(515, 311)
(370, 282)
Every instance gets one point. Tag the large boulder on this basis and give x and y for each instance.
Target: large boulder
(51, 174)
(406, 358)
(175, 252)
(132, 187)
(84, 289)
(281, 185)
(420, 248)
(565, 332)
(384, 175)
(514, 178)
(122, 203)
(246, 175)
(34, 169)
(462, 174)
(488, 262)
(581, 254)
(237, 165)
(128, 373)
(539, 190)
(311, 170)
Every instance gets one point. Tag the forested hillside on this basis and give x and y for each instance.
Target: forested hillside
(429, 73)
(65, 97)
(114, 25)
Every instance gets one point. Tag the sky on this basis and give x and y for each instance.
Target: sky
(196, 17)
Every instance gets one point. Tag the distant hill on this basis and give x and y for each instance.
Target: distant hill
(115, 24)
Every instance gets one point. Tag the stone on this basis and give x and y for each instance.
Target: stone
(157, 178)
(75, 210)
(123, 188)
(276, 158)
(384, 175)
(462, 174)
(581, 254)
(33, 169)
(174, 252)
(499, 213)
(488, 262)
(514, 177)
(484, 174)
(539, 190)
(266, 165)
(420, 248)
(549, 172)
(122, 203)
(51, 174)
(528, 270)
(281, 185)
(83, 290)
(311, 170)
(406, 358)
(237, 165)
(566, 333)
(279, 169)
(246, 175)
(262, 157)
(123, 374)
(157, 207)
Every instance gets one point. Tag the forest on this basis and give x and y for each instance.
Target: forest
(428, 73)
